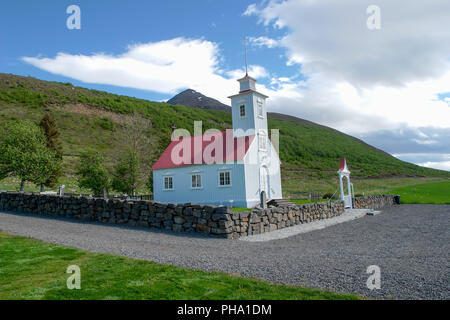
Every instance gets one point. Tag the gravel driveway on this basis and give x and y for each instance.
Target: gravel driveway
(410, 243)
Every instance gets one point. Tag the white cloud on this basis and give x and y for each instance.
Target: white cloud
(331, 37)
(355, 80)
(263, 42)
(251, 9)
(444, 165)
(426, 142)
(165, 67)
(255, 71)
(359, 80)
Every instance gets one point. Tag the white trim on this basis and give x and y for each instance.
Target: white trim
(224, 168)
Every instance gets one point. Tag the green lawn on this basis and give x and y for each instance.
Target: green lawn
(32, 269)
(241, 209)
(427, 193)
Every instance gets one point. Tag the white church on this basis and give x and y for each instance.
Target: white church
(246, 163)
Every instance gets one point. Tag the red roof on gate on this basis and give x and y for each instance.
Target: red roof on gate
(343, 166)
(233, 149)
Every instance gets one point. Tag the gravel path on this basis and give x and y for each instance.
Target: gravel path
(347, 215)
(410, 243)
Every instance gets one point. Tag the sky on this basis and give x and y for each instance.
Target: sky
(379, 73)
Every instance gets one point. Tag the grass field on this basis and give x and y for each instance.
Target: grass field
(91, 119)
(365, 186)
(427, 193)
(31, 269)
(362, 186)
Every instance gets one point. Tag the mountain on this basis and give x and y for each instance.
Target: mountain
(192, 98)
(92, 119)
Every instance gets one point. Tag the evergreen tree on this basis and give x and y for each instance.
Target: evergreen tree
(48, 126)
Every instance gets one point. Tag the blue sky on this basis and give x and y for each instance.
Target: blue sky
(316, 60)
(38, 28)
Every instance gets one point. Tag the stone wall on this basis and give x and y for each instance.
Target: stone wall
(376, 202)
(189, 217)
(274, 218)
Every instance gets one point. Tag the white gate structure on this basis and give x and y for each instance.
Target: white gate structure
(344, 173)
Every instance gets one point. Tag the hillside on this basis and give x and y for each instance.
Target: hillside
(97, 120)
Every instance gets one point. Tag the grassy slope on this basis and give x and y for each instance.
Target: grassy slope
(92, 119)
(42, 276)
(428, 193)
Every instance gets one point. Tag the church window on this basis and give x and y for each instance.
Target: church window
(196, 181)
(224, 178)
(242, 111)
(168, 183)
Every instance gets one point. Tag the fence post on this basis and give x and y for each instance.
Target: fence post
(263, 198)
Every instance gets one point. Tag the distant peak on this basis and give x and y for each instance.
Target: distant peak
(195, 99)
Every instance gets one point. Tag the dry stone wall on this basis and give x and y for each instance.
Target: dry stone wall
(376, 201)
(189, 217)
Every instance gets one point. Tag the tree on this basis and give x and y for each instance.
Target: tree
(92, 173)
(150, 182)
(48, 126)
(137, 137)
(127, 173)
(24, 154)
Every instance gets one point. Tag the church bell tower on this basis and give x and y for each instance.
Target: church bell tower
(249, 111)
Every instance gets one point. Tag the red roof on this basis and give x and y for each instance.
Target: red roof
(343, 165)
(233, 149)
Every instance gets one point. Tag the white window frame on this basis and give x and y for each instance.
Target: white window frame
(261, 135)
(197, 185)
(224, 178)
(169, 178)
(245, 111)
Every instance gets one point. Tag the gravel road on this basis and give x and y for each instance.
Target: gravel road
(410, 244)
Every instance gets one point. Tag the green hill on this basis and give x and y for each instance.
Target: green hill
(96, 119)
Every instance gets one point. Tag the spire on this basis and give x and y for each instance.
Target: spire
(245, 50)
